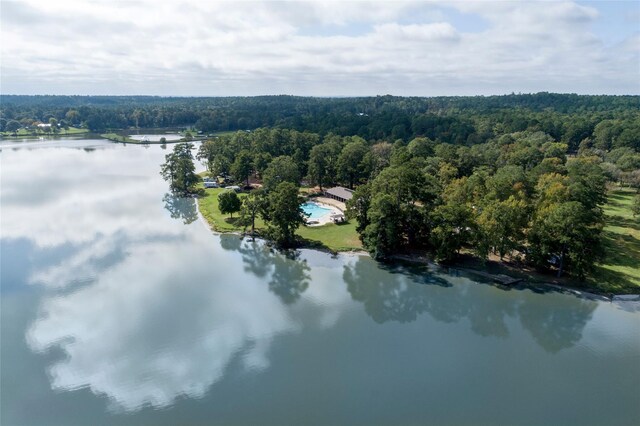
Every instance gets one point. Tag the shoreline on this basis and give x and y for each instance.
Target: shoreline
(459, 265)
(213, 229)
(114, 137)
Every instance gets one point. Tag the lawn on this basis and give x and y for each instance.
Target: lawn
(333, 237)
(620, 270)
(118, 138)
(63, 132)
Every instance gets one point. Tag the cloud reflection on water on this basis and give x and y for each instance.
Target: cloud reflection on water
(164, 308)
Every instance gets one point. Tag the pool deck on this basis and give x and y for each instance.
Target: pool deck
(330, 202)
(327, 203)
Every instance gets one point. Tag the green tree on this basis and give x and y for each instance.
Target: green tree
(382, 236)
(452, 228)
(228, 202)
(392, 210)
(351, 164)
(12, 126)
(242, 166)
(284, 213)
(318, 165)
(587, 182)
(635, 208)
(421, 147)
(252, 206)
(53, 125)
(380, 154)
(281, 169)
(179, 169)
(358, 207)
(501, 225)
(567, 235)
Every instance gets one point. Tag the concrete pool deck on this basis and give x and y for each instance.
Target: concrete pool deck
(330, 202)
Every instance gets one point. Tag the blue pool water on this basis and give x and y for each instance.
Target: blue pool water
(315, 211)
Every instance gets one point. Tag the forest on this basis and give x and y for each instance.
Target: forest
(515, 176)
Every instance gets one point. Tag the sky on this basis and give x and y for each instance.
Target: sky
(318, 48)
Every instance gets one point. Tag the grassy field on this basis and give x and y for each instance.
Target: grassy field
(332, 237)
(118, 138)
(24, 132)
(620, 270)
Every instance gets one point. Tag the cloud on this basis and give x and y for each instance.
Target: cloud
(308, 48)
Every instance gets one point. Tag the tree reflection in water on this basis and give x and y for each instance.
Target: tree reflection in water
(180, 207)
(556, 324)
(289, 275)
(392, 294)
(396, 293)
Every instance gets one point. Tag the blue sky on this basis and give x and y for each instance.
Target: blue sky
(617, 20)
(319, 48)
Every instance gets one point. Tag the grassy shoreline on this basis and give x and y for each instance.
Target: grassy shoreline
(114, 137)
(331, 237)
(22, 133)
(618, 274)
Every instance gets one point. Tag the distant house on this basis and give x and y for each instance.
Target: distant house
(339, 193)
(44, 126)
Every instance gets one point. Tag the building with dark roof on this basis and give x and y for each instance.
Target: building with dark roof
(339, 193)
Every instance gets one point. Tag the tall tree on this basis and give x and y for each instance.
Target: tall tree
(179, 169)
(252, 206)
(566, 234)
(242, 166)
(284, 213)
(281, 169)
(351, 164)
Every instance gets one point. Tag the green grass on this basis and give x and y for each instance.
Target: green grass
(332, 237)
(118, 138)
(209, 209)
(620, 270)
(62, 132)
(342, 237)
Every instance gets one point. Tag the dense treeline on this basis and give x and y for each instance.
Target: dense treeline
(458, 120)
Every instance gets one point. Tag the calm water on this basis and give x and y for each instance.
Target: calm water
(169, 137)
(315, 211)
(120, 307)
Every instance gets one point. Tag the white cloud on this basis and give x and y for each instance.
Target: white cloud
(218, 48)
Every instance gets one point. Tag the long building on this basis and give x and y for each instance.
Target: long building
(339, 193)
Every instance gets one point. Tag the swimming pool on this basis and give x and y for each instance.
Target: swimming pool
(315, 211)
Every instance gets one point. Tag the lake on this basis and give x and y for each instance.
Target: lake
(119, 306)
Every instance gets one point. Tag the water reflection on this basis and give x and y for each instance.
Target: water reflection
(289, 275)
(556, 325)
(394, 296)
(144, 335)
(181, 207)
(386, 296)
(146, 309)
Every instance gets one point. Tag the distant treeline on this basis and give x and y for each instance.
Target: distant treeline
(612, 121)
